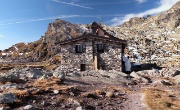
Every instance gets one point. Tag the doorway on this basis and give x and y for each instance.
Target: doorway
(83, 67)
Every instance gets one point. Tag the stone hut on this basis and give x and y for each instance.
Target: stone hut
(97, 50)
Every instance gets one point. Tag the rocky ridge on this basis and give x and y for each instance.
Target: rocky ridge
(47, 46)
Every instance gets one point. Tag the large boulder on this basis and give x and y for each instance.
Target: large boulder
(9, 77)
(34, 73)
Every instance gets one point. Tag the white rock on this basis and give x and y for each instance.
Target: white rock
(56, 92)
(79, 108)
(177, 79)
(29, 107)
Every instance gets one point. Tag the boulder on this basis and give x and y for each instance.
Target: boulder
(59, 74)
(34, 73)
(11, 77)
(7, 98)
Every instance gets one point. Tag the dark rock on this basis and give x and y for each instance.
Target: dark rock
(7, 98)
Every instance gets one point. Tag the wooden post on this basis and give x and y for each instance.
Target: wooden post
(95, 62)
(94, 56)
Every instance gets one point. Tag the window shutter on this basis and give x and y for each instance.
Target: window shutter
(84, 48)
(106, 47)
(95, 49)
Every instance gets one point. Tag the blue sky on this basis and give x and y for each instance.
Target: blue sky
(27, 20)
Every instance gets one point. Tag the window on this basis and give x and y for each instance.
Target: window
(100, 48)
(79, 48)
(94, 30)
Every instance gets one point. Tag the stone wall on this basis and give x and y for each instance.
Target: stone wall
(71, 61)
(111, 58)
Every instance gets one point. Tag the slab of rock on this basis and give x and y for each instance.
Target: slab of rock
(138, 77)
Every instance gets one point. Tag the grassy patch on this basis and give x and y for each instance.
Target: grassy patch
(161, 100)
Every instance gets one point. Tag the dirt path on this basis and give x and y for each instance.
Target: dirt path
(135, 101)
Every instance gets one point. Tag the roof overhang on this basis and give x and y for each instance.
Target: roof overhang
(93, 37)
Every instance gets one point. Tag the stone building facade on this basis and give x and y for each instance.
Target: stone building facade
(95, 51)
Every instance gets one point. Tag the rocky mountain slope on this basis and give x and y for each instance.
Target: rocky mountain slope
(154, 39)
(151, 39)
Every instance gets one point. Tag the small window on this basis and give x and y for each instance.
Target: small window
(100, 48)
(79, 48)
(94, 30)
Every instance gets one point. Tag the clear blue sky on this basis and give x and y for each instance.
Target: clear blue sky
(27, 20)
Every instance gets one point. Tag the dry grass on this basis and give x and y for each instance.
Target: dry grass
(45, 83)
(50, 67)
(161, 100)
(20, 94)
(51, 83)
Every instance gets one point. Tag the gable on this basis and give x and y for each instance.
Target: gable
(101, 31)
(98, 33)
